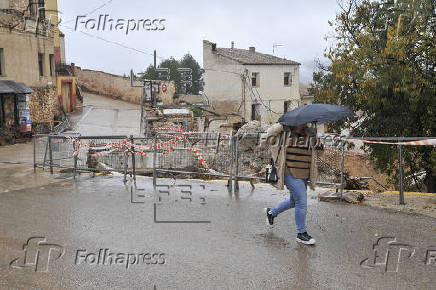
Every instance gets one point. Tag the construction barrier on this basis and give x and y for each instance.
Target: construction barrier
(211, 154)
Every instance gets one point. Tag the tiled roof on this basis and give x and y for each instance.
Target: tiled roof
(244, 56)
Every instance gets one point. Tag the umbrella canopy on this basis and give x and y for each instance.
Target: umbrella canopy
(322, 113)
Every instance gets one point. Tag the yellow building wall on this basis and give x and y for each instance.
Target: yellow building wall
(21, 58)
(51, 7)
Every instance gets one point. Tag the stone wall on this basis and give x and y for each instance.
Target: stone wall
(20, 5)
(107, 84)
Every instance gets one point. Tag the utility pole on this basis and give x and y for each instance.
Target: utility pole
(154, 58)
(243, 96)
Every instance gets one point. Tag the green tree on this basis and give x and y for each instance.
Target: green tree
(382, 64)
(150, 73)
(175, 75)
(187, 61)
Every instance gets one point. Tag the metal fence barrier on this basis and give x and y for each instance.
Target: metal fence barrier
(205, 154)
(200, 155)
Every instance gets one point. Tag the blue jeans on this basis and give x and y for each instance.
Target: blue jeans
(298, 200)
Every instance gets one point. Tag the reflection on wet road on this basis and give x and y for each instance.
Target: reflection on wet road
(97, 232)
(234, 251)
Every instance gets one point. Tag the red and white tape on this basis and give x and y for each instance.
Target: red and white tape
(126, 146)
(168, 129)
(428, 142)
(263, 170)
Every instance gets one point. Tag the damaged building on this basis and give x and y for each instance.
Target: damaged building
(249, 84)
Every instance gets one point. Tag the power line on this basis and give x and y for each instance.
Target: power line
(92, 11)
(252, 94)
(112, 42)
(252, 90)
(151, 54)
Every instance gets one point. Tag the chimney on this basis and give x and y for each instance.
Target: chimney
(208, 46)
(73, 69)
(252, 49)
(233, 45)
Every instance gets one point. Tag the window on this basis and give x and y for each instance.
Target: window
(33, 8)
(2, 62)
(41, 9)
(255, 112)
(286, 106)
(255, 79)
(2, 118)
(52, 68)
(41, 64)
(287, 79)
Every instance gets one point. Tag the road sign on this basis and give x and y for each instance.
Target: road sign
(164, 88)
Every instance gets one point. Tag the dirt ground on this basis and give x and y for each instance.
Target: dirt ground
(415, 204)
(355, 165)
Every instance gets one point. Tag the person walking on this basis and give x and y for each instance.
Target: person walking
(293, 156)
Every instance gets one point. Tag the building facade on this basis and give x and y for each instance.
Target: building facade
(26, 45)
(253, 85)
(32, 52)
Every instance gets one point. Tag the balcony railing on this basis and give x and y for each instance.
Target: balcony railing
(64, 69)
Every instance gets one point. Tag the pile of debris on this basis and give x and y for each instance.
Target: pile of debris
(252, 157)
(167, 125)
(253, 127)
(348, 196)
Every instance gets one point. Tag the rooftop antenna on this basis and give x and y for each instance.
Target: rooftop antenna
(275, 45)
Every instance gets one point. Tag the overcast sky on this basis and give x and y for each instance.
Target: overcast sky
(300, 26)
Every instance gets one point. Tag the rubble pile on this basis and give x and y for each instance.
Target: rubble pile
(252, 156)
(253, 127)
(166, 124)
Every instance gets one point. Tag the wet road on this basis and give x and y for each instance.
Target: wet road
(105, 116)
(98, 233)
(234, 251)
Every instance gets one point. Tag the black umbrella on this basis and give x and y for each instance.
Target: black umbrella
(322, 113)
